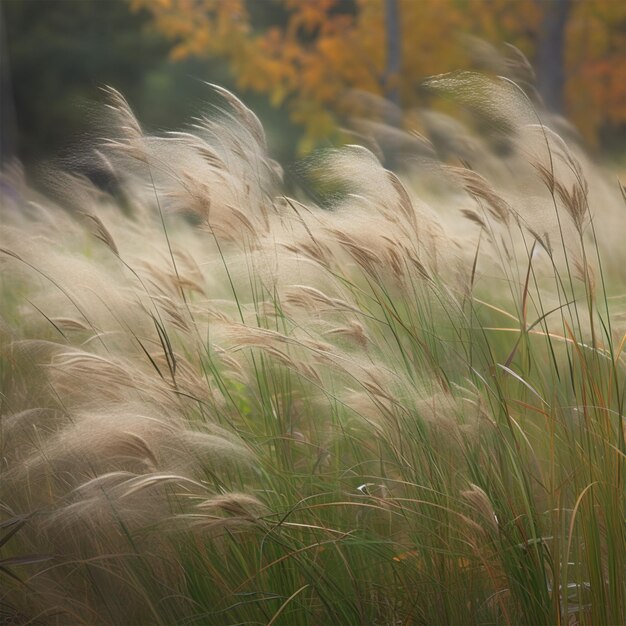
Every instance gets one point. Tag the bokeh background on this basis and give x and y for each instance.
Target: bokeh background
(294, 61)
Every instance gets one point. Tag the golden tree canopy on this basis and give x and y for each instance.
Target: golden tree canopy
(325, 47)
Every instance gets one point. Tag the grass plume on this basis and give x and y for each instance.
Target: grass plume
(401, 405)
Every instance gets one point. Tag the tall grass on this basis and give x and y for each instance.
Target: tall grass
(224, 405)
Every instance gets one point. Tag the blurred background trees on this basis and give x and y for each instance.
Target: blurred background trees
(57, 53)
(295, 60)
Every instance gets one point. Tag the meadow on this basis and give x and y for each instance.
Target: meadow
(402, 405)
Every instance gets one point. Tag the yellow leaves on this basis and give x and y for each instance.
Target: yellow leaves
(199, 27)
(136, 5)
(596, 64)
(309, 14)
(277, 95)
(322, 50)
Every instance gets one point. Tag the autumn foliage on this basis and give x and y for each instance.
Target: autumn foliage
(315, 50)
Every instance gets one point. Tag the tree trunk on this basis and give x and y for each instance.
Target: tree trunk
(7, 109)
(394, 51)
(550, 60)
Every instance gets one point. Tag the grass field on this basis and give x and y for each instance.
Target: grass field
(224, 405)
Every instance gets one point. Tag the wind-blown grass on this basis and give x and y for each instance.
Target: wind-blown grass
(224, 405)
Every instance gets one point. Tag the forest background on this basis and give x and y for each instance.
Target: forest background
(292, 61)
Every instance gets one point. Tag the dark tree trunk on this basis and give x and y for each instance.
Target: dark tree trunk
(394, 51)
(7, 109)
(550, 60)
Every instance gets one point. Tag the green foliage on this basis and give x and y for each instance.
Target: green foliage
(60, 52)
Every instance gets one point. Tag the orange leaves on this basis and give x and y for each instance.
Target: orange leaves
(596, 59)
(309, 14)
(322, 48)
(199, 27)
